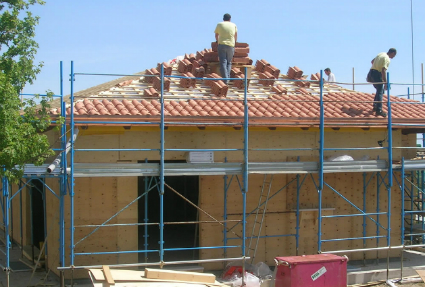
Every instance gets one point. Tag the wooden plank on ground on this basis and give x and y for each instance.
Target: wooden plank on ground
(108, 275)
(421, 274)
(179, 275)
(98, 283)
(126, 276)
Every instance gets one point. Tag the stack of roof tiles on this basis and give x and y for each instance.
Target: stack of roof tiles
(218, 87)
(240, 56)
(188, 81)
(295, 73)
(237, 73)
(315, 77)
(167, 68)
(266, 72)
(198, 68)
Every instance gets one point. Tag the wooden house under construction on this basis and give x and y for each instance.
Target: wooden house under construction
(166, 166)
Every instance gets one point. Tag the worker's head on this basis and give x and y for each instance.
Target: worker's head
(327, 71)
(392, 52)
(227, 17)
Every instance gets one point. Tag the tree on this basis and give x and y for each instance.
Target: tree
(21, 122)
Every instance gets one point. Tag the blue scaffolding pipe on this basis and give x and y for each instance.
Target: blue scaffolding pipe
(390, 165)
(152, 251)
(146, 219)
(116, 149)
(71, 175)
(350, 215)
(321, 159)
(414, 211)
(364, 224)
(402, 234)
(297, 212)
(225, 189)
(360, 148)
(245, 165)
(6, 226)
(77, 122)
(411, 204)
(161, 173)
(353, 238)
(116, 252)
(378, 185)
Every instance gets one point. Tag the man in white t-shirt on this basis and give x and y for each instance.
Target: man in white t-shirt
(331, 76)
(226, 34)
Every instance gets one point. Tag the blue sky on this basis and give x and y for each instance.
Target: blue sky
(125, 37)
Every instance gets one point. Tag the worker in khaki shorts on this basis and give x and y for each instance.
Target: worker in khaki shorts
(378, 75)
(226, 34)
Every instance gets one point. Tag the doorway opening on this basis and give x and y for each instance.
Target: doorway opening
(175, 209)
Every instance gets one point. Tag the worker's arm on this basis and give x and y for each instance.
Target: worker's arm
(216, 37)
(384, 77)
(236, 37)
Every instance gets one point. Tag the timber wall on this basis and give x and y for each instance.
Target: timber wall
(97, 199)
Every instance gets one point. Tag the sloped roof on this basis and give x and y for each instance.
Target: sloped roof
(133, 99)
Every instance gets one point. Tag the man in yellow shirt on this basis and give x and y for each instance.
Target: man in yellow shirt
(226, 34)
(378, 73)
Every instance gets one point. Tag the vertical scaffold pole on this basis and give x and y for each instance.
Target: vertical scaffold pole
(21, 220)
(71, 174)
(245, 170)
(63, 185)
(412, 199)
(6, 203)
(321, 156)
(390, 172)
(297, 217)
(423, 145)
(378, 187)
(225, 215)
(402, 215)
(161, 174)
(146, 219)
(423, 99)
(364, 217)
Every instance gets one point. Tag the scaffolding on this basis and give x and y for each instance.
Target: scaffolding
(383, 171)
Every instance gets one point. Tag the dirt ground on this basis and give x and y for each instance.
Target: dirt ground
(404, 285)
(385, 285)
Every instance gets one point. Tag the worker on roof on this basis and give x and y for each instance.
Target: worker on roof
(331, 76)
(226, 34)
(378, 76)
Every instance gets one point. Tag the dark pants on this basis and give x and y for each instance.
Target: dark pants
(377, 77)
(225, 56)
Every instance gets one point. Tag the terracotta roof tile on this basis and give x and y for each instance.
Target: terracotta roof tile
(282, 100)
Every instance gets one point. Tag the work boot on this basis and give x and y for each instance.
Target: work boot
(381, 113)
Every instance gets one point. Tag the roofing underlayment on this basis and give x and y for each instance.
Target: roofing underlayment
(273, 98)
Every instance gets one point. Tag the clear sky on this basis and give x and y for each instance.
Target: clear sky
(129, 36)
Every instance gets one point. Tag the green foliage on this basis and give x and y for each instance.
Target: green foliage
(21, 122)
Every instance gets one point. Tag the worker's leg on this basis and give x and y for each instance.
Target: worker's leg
(377, 77)
(378, 96)
(225, 56)
(222, 57)
(231, 52)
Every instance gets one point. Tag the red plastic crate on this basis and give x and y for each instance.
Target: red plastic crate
(321, 270)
